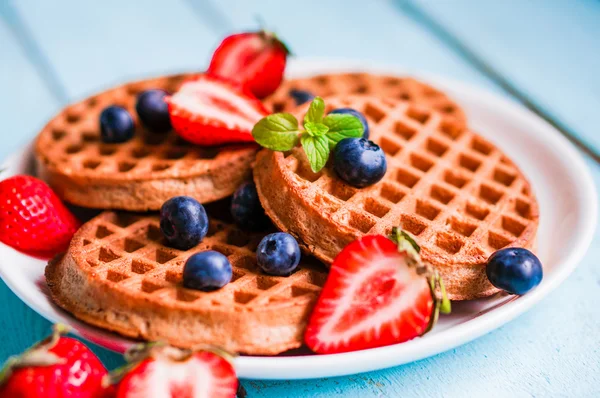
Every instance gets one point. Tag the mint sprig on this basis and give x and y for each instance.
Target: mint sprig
(280, 132)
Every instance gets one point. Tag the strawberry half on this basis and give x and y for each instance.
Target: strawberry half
(377, 293)
(33, 219)
(160, 371)
(254, 59)
(55, 368)
(211, 111)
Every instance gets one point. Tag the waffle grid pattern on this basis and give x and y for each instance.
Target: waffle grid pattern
(71, 141)
(128, 251)
(454, 190)
(386, 87)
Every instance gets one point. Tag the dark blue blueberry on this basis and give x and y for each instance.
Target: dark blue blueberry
(301, 96)
(278, 254)
(360, 116)
(359, 162)
(208, 270)
(183, 222)
(154, 111)
(246, 209)
(116, 125)
(515, 270)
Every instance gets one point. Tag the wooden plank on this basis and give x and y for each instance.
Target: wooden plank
(550, 51)
(26, 100)
(350, 29)
(94, 44)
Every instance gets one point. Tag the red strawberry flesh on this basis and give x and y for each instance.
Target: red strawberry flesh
(372, 298)
(210, 111)
(204, 374)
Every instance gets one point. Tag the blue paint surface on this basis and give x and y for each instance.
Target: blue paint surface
(544, 48)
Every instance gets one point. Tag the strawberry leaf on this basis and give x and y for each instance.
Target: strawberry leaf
(278, 132)
(316, 149)
(316, 110)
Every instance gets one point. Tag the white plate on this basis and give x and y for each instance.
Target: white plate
(560, 179)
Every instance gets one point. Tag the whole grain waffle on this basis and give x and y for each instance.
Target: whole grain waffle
(381, 86)
(457, 193)
(137, 175)
(119, 275)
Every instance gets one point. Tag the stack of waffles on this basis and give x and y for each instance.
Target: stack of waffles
(458, 194)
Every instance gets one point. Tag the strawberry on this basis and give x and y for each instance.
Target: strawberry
(377, 293)
(58, 367)
(161, 371)
(33, 219)
(253, 59)
(212, 111)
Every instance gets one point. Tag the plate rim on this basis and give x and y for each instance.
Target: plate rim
(316, 366)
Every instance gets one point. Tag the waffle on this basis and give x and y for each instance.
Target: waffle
(381, 86)
(119, 275)
(459, 195)
(137, 175)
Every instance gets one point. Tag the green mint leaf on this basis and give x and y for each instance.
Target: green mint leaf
(316, 129)
(316, 149)
(278, 132)
(342, 126)
(315, 111)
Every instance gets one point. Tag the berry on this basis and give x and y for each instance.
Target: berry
(255, 60)
(301, 96)
(211, 111)
(154, 111)
(166, 372)
(278, 254)
(246, 209)
(57, 367)
(207, 270)
(515, 270)
(354, 112)
(183, 222)
(33, 219)
(116, 125)
(373, 297)
(359, 162)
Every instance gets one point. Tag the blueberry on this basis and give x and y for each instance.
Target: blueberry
(183, 222)
(278, 254)
(515, 270)
(301, 96)
(246, 209)
(116, 125)
(359, 162)
(360, 116)
(207, 270)
(154, 111)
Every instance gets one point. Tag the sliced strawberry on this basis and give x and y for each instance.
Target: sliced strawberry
(210, 111)
(33, 219)
(373, 297)
(254, 59)
(167, 372)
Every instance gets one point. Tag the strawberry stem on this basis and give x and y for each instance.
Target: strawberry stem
(36, 355)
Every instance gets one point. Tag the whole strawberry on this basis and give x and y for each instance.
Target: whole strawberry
(33, 219)
(58, 367)
(162, 371)
(253, 59)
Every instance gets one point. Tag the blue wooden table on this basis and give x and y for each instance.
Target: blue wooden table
(544, 53)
